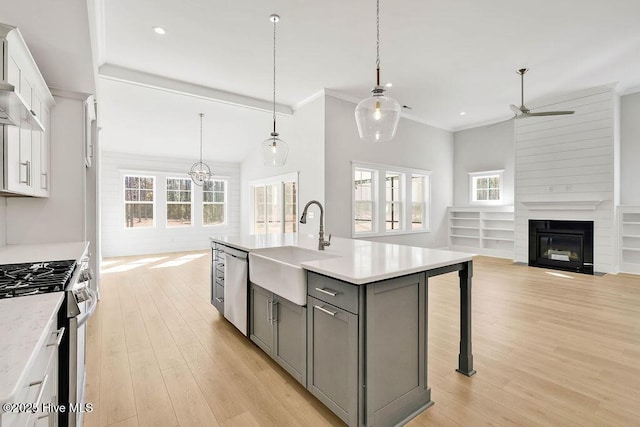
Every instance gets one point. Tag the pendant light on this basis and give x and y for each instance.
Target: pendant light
(377, 116)
(274, 150)
(200, 172)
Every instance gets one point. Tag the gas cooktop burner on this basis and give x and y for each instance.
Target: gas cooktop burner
(34, 277)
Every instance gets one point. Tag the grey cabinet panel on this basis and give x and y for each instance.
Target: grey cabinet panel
(333, 291)
(260, 326)
(333, 358)
(279, 328)
(290, 339)
(396, 368)
(217, 277)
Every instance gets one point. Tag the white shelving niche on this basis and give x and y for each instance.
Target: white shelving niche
(629, 239)
(485, 230)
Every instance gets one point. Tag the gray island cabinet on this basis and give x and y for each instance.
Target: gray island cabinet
(360, 345)
(279, 328)
(366, 348)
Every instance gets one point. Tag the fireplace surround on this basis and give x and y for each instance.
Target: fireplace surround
(561, 245)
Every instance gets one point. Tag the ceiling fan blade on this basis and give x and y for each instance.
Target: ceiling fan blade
(515, 109)
(551, 113)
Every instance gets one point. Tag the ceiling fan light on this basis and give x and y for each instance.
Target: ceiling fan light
(377, 117)
(274, 151)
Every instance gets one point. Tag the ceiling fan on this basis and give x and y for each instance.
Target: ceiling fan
(523, 111)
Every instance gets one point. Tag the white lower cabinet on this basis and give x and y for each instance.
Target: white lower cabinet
(35, 402)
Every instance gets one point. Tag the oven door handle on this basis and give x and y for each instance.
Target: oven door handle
(94, 302)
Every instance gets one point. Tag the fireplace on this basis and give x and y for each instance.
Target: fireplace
(561, 245)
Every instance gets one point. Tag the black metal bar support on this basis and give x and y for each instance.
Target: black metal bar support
(465, 358)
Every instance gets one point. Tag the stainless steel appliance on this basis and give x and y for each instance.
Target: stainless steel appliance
(80, 304)
(18, 280)
(236, 270)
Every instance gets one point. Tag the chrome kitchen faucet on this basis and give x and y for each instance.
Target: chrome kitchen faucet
(303, 220)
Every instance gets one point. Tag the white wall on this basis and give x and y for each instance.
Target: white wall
(61, 216)
(3, 221)
(304, 134)
(567, 159)
(630, 149)
(118, 240)
(415, 146)
(483, 149)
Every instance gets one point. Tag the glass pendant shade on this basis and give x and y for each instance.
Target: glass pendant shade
(377, 117)
(274, 151)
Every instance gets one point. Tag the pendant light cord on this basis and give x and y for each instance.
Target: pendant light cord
(274, 75)
(378, 42)
(201, 116)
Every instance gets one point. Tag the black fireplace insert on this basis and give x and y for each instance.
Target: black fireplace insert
(561, 245)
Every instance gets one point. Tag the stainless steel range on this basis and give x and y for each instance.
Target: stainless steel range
(19, 280)
(34, 278)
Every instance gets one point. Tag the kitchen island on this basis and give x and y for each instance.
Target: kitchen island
(360, 342)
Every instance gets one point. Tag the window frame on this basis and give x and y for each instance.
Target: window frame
(267, 181)
(374, 200)
(225, 204)
(125, 202)
(380, 202)
(426, 202)
(167, 202)
(474, 176)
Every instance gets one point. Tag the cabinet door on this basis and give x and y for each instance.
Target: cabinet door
(396, 318)
(260, 325)
(17, 158)
(290, 338)
(40, 151)
(332, 340)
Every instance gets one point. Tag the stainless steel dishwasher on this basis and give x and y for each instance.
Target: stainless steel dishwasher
(236, 274)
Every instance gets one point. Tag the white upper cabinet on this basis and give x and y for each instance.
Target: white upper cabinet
(25, 103)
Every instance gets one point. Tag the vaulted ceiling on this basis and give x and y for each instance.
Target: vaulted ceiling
(443, 58)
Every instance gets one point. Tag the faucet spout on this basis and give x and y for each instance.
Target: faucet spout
(303, 220)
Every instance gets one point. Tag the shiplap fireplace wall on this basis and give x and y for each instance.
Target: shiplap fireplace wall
(567, 168)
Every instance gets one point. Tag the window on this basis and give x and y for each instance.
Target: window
(178, 202)
(275, 204)
(139, 201)
(419, 197)
(394, 200)
(486, 187)
(290, 207)
(364, 200)
(404, 200)
(214, 198)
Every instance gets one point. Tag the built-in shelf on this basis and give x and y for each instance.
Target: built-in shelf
(485, 230)
(629, 239)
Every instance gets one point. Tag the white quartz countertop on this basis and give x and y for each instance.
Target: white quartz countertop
(24, 322)
(14, 254)
(355, 261)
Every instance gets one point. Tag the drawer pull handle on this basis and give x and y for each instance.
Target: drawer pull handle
(43, 384)
(220, 299)
(324, 310)
(328, 291)
(59, 334)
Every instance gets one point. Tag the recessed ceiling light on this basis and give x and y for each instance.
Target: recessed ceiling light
(160, 30)
(462, 113)
(389, 84)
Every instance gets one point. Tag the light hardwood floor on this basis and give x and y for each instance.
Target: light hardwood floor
(550, 348)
